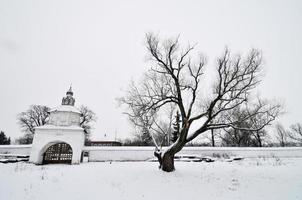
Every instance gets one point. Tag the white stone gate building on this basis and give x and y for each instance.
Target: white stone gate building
(61, 140)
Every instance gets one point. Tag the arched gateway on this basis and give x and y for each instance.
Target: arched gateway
(58, 153)
(61, 140)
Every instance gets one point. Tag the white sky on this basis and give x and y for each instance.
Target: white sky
(98, 47)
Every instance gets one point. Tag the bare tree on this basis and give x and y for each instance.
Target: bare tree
(244, 118)
(36, 115)
(260, 135)
(282, 135)
(296, 132)
(175, 78)
(151, 129)
(142, 129)
(87, 117)
(27, 138)
(213, 137)
(235, 136)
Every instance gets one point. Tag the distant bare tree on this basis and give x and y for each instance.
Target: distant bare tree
(175, 78)
(87, 117)
(243, 118)
(149, 128)
(213, 137)
(282, 135)
(36, 115)
(142, 124)
(296, 132)
(27, 138)
(260, 135)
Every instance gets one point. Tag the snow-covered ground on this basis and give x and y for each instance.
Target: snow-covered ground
(261, 178)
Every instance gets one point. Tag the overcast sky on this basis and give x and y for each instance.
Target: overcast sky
(98, 46)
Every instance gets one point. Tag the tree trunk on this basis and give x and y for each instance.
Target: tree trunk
(166, 158)
(168, 162)
(260, 142)
(213, 139)
(259, 139)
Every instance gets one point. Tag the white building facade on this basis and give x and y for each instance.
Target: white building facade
(62, 139)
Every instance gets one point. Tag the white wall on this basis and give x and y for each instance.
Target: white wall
(144, 153)
(119, 153)
(15, 149)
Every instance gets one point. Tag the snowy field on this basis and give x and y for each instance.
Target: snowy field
(261, 178)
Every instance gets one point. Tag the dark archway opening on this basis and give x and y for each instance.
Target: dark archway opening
(58, 153)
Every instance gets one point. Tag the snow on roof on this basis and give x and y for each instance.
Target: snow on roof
(66, 108)
(53, 127)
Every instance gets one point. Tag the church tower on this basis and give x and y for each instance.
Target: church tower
(68, 100)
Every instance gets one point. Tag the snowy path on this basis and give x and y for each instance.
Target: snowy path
(248, 179)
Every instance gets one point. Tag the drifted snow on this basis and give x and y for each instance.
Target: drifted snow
(247, 179)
